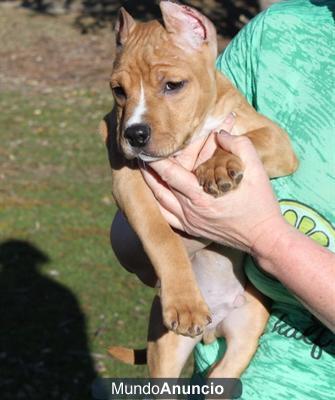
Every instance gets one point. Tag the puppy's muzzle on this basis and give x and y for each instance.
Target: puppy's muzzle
(138, 135)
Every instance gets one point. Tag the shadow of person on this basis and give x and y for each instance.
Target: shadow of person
(43, 346)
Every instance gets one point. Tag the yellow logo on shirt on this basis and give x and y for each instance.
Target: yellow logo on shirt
(309, 222)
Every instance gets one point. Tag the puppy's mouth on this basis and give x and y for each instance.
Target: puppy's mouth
(148, 158)
(150, 153)
(151, 156)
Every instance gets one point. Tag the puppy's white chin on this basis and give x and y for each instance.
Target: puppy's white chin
(147, 158)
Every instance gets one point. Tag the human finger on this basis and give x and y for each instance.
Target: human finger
(188, 156)
(163, 194)
(201, 150)
(207, 150)
(210, 145)
(241, 146)
(171, 219)
(167, 203)
(229, 122)
(177, 177)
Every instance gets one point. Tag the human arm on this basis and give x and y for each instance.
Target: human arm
(249, 218)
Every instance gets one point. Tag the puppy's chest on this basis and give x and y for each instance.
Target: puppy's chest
(210, 124)
(215, 124)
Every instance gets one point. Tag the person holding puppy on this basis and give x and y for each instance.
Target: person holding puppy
(283, 62)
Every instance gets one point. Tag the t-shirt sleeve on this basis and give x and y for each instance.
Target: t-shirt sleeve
(239, 61)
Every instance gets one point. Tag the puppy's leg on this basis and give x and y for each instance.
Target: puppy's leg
(274, 149)
(224, 171)
(184, 309)
(242, 330)
(130, 253)
(167, 352)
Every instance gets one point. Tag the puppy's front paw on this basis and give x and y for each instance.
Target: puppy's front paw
(220, 174)
(185, 312)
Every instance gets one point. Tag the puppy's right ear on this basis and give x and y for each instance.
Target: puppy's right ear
(125, 23)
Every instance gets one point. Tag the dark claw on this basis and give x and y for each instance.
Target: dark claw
(232, 173)
(195, 331)
(238, 178)
(210, 188)
(198, 330)
(225, 187)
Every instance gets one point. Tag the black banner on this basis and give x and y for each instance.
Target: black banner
(196, 388)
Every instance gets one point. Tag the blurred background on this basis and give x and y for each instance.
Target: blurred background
(63, 297)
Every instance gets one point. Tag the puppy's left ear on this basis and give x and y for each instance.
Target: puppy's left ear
(125, 23)
(190, 28)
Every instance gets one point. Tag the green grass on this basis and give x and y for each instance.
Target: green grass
(60, 316)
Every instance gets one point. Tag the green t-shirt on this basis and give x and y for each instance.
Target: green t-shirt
(283, 61)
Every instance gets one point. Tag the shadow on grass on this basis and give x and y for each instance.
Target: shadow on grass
(43, 346)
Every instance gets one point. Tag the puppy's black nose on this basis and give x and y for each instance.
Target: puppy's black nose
(138, 135)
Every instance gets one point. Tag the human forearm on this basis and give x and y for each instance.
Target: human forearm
(303, 266)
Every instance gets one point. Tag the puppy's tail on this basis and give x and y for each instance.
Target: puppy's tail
(129, 356)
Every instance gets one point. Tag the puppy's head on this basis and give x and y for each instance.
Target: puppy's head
(163, 80)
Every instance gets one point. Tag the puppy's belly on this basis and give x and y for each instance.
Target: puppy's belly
(220, 276)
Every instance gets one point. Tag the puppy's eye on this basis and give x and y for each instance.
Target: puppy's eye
(119, 92)
(173, 86)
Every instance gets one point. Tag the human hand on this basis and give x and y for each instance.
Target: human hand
(239, 219)
(199, 151)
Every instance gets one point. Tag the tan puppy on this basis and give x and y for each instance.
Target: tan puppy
(167, 93)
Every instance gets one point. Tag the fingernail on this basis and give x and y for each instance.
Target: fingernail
(224, 133)
(230, 118)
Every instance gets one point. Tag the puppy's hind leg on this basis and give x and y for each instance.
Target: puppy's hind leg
(167, 352)
(242, 329)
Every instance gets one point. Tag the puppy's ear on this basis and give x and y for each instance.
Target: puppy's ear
(125, 23)
(190, 28)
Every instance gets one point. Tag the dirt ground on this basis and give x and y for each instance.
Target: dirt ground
(43, 51)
